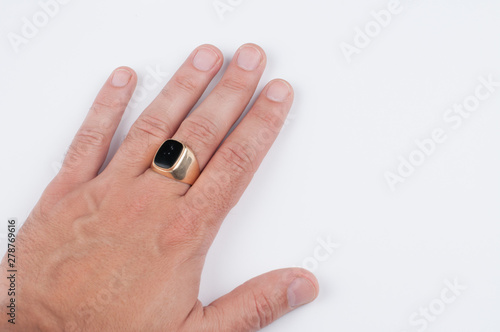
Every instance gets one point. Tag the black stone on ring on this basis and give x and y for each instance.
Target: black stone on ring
(168, 154)
(177, 161)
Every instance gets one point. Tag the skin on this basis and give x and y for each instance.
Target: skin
(123, 249)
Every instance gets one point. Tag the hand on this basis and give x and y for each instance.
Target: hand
(123, 250)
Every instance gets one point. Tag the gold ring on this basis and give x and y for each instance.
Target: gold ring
(176, 161)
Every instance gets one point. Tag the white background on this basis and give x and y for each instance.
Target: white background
(350, 122)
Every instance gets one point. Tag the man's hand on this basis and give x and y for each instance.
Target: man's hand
(123, 250)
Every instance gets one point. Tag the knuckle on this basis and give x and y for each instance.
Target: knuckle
(103, 105)
(239, 157)
(187, 224)
(184, 229)
(185, 83)
(150, 125)
(235, 84)
(90, 137)
(269, 118)
(264, 311)
(202, 129)
(86, 141)
(193, 205)
(208, 204)
(201, 204)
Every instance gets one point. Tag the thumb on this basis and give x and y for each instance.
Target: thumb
(261, 300)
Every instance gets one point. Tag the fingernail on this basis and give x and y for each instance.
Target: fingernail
(121, 77)
(278, 91)
(205, 59)
(300, 291)
(249, 58)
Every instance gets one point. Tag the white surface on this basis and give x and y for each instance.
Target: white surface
(353, 119)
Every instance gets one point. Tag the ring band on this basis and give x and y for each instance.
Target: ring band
(176, 161)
